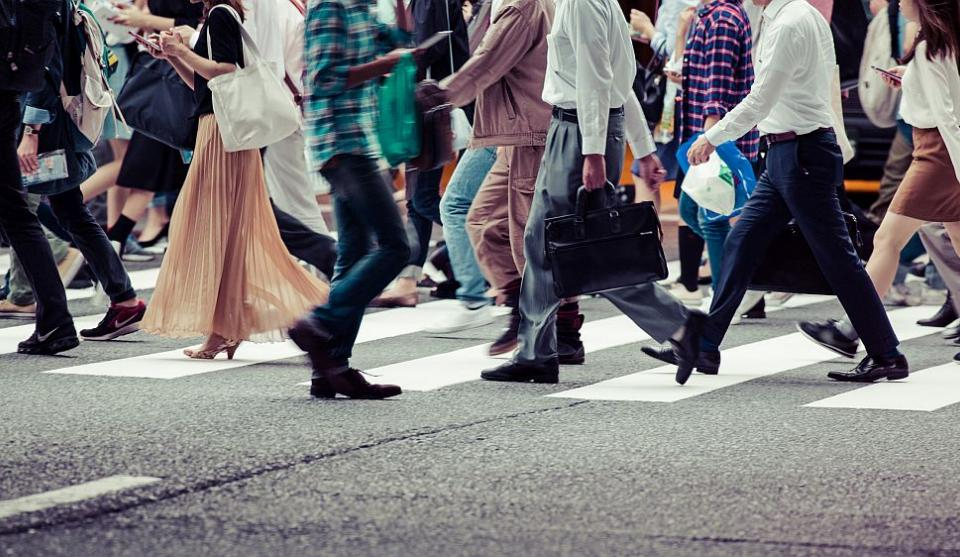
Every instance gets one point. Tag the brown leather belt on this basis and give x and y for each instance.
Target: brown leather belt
(772, 138)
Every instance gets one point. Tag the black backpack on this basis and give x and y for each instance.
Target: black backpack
(28, 35)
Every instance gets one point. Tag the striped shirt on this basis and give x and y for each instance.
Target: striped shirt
(341, 34)
(717, 70)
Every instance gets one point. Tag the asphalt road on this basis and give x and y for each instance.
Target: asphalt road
(243, 462)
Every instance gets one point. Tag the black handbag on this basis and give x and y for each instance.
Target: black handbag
(789, 265)
(603, 249)
(157, 103)
(650, 86)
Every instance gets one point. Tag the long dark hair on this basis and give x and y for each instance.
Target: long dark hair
(939, 25)
(235, 4)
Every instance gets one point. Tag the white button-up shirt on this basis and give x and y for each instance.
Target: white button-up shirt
(795, 63)
(590, 69)
(931, 98)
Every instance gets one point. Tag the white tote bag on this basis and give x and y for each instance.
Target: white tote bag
(252, 107)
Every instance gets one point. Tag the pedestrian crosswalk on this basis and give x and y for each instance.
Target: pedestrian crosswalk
(641, 381)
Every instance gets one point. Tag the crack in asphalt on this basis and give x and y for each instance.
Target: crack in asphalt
(212, 483)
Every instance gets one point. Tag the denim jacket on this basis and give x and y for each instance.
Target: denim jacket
(44, 107)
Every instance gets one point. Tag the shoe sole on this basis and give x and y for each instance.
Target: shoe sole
(891, 377)
(12, 315)
(833, 349)
(551, 380)
(449, 330)
(131, 328)
(53, 348)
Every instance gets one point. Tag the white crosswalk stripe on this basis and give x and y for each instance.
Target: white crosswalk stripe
(926, 390)
(740, 364)
(461, 366)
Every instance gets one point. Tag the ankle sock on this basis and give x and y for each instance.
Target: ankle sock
(121, 230)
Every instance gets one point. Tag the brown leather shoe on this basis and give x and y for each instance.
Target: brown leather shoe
(352, 385)
(508, 340)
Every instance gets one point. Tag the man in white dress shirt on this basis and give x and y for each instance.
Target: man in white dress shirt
(790, 103)
(590, 72)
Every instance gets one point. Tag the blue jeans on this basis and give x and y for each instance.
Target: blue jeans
(366, 215)
(454, 206)
(423, 211)
(714, 234)
(802, 181)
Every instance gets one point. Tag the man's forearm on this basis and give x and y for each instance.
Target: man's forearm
(358, 75)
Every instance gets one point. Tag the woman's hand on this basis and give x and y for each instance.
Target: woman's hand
(891, 82)
(131, 16)
(27, 153)
(172, 45)
(641, 25)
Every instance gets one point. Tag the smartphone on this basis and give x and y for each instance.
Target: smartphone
(891, 75)
(434, 40)
(145, 41)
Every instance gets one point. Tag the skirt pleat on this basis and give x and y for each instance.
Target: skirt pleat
(226, 270)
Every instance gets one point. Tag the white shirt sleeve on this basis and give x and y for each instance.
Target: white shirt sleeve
(770, 83)
(637, 131)
(293, 51)
(935, 78)
(594, 78)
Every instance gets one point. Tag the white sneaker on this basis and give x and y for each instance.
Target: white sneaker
(680, 292)
(461, 319)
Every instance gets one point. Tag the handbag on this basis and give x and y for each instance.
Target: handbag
(650, 86)
(252, 107)
(740, 169)
(789, 264)
(398, 126)
(157, 103)
(595, 250)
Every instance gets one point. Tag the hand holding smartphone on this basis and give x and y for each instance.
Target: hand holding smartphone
(149, 42)
(893, 80)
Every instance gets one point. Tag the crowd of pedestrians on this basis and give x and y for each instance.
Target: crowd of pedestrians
(549, 88)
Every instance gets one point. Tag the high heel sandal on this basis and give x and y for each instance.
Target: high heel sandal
(228, 346)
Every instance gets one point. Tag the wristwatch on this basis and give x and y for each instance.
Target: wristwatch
(31, 130)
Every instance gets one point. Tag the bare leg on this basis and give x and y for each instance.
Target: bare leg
(137, 203)
(157, 219)
(894, 233)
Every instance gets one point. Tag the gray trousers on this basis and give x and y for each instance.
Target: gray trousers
(650, 306)
(944, 257)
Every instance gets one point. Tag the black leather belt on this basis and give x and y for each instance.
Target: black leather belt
(570, 115)
(772, 138)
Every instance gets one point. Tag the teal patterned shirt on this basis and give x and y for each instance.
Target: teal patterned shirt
(341, 34)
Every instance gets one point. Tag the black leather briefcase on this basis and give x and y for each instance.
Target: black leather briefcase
(603, 249)
(789, 265)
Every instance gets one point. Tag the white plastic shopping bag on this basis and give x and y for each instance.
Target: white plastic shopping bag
(462, 130)
(711, 185)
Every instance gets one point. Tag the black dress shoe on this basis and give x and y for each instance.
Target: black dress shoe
(571, 353)
(758, 311)
(60, 339)
(946, 315)
(524, 372)
(827, 335)
(687, 349)
(871, 369)
(320, 387)
(352, 385)
(708, 363)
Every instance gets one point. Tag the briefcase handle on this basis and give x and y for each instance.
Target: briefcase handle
(580, 216)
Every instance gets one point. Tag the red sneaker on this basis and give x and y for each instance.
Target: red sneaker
(118, 321)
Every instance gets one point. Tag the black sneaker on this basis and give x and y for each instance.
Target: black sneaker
(60, 339)
(524, 372)
(118, 321)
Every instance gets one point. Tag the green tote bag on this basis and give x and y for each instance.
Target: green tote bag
(398, 129)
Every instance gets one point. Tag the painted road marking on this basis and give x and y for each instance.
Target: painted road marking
(925, 391)
(72, 494)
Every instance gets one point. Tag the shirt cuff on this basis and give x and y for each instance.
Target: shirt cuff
(37, 116)
(716, 136)
(714, 109)
(593, 145)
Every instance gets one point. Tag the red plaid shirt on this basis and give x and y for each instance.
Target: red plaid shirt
(717, 70)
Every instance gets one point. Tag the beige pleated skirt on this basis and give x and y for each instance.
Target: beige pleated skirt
(226, 271)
